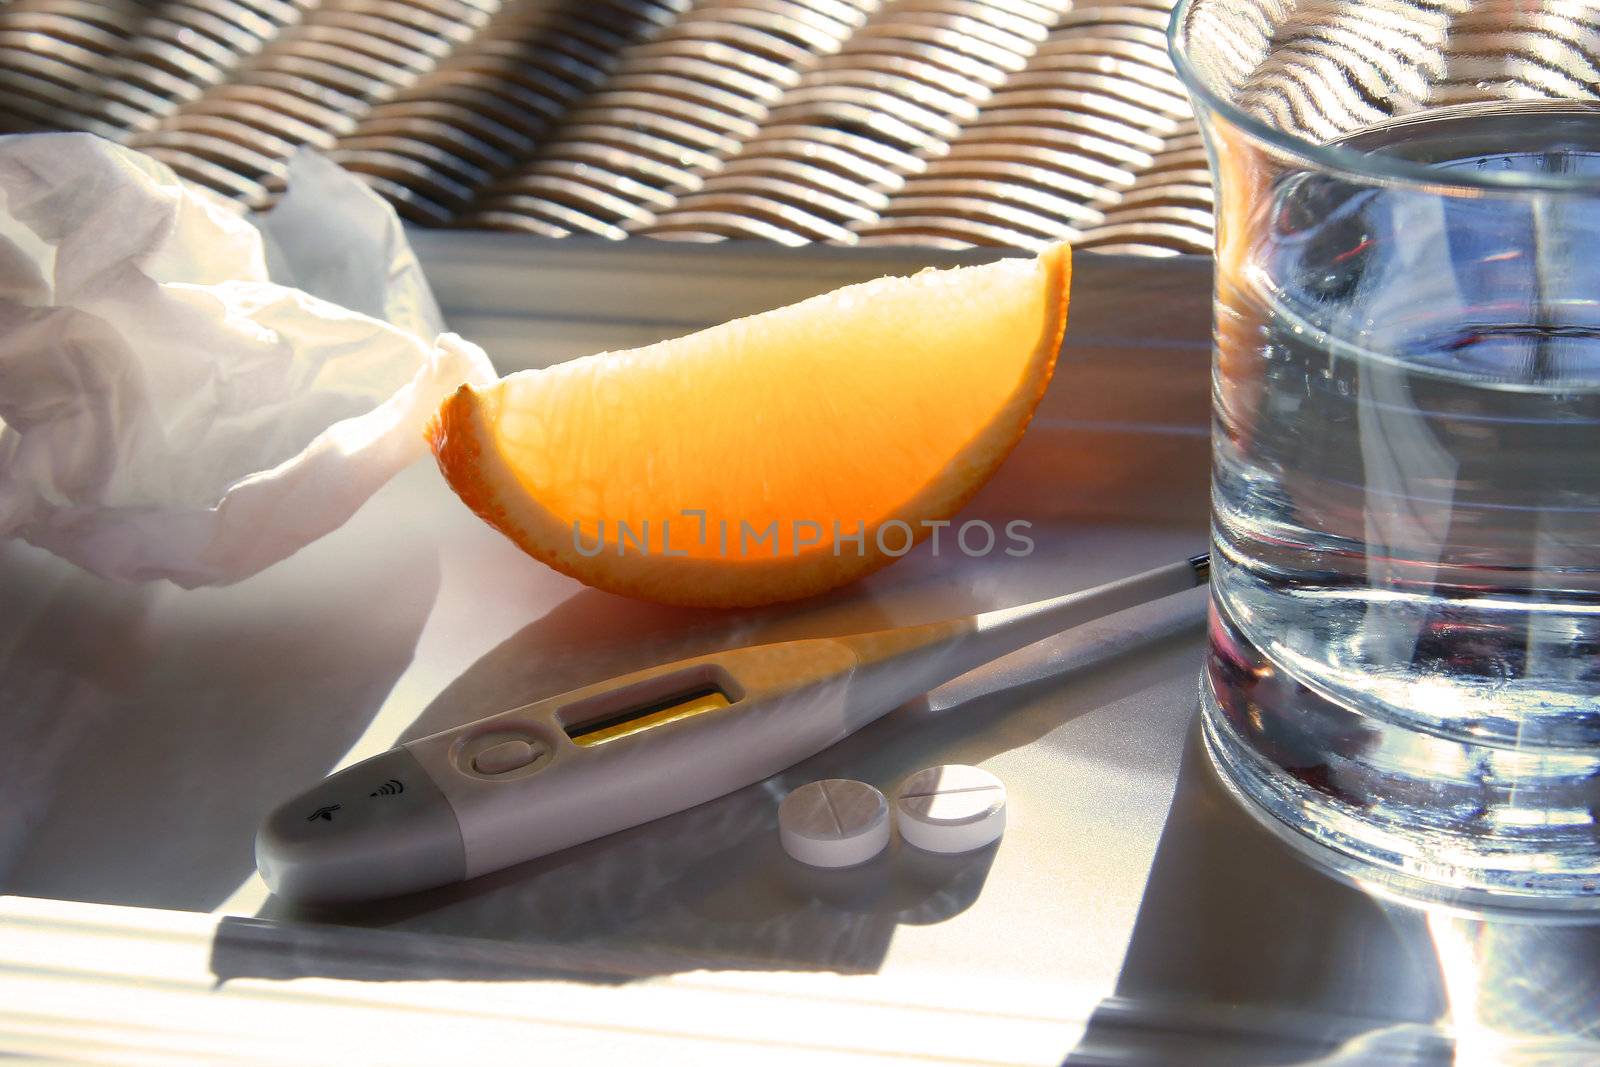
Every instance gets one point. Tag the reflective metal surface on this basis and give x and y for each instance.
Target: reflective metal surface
(1133, 912)
(937, 122)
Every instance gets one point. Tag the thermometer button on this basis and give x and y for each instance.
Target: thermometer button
(506, 756)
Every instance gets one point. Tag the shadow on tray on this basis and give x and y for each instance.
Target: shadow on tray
(1245, 953)
(708, 887)
(144, 731)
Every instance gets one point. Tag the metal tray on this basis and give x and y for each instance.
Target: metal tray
(1132, 913)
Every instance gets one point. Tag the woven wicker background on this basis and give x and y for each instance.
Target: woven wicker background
(942, 122)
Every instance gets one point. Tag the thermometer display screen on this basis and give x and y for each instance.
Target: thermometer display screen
(636, 720)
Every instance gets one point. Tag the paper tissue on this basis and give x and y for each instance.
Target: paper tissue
(190, 393)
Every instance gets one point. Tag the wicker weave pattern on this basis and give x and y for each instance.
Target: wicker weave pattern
(944, 122)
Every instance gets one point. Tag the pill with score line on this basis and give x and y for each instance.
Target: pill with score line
(950, 809)
(834, 823)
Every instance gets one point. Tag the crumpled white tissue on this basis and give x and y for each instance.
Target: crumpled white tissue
(188, 393)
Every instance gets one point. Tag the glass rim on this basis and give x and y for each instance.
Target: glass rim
(1350, 162)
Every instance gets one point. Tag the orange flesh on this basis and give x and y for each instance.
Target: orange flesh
(892, 400)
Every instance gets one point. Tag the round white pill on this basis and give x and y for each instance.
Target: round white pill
(951, 809)
(834, 823)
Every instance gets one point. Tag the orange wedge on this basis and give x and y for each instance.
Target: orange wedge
(771, 457)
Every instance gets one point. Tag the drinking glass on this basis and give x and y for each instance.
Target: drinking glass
(1404, 660)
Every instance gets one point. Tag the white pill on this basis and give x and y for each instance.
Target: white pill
(951, 809)
(834, 823)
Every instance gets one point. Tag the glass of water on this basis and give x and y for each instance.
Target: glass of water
(1404, 654)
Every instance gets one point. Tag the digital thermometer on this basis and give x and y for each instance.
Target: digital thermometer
(574, 767)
